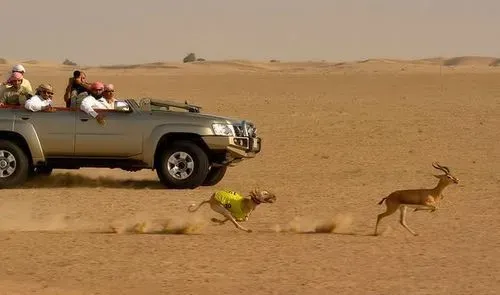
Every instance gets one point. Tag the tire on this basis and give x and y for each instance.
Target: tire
(182, 165)
(14, 165)
(215, 175)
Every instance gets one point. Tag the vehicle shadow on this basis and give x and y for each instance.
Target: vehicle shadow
(68, 180)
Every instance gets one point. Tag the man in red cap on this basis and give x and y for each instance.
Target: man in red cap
(15, 94)
(24, 84)
(91, 102)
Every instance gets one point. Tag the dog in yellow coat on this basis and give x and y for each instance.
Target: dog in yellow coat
(235, 207)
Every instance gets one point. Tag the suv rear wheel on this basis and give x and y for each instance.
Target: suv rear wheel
(182, 164)
(14, 165)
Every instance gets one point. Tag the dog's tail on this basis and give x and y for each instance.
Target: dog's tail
(381, 201)
(194, 207)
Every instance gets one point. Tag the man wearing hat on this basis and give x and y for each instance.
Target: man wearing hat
(91, 102)
(25, 83)
(42, 100)
(15, 94)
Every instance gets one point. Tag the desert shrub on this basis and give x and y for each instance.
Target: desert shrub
(189, 58)
(68, 62)
(495, 62)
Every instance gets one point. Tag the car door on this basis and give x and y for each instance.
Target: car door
(55, 130)
(120, 137)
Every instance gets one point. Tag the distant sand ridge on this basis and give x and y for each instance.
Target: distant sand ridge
(378, 64)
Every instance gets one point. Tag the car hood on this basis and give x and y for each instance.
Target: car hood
(209, 117)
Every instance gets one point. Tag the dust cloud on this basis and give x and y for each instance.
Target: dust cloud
(172, 225)
(19, 216)
(340, 223)
(69, 180)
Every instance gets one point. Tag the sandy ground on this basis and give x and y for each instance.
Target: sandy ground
(336, 139)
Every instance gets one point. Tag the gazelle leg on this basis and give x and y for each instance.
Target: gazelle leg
(431, 208)
(390, 210)
(219, 221)
(403, 220)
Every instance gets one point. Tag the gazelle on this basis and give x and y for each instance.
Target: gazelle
(420, 199)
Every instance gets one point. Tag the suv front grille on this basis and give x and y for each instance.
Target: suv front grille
(240, 131)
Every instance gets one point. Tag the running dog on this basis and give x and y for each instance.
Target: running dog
(235, 207)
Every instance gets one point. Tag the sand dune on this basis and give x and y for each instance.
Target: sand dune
(461, 63)
(154, 65)
(471, 60)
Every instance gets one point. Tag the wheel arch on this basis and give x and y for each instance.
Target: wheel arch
(168, 139)
(20, 141)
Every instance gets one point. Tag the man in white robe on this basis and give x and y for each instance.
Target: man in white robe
(42, 100)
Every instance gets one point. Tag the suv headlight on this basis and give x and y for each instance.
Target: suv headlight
(223, 129)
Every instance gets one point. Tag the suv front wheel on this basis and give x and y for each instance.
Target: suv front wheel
(182, 165)
(215, 175)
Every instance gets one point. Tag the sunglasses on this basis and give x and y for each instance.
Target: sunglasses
(48, 92)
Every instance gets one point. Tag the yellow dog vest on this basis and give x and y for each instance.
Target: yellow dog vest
(233, 202)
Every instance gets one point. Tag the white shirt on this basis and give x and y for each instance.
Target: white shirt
(88, 105)
(36, 103)
(106, 104)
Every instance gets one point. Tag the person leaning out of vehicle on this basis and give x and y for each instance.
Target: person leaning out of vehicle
(42, 100)
(15, 94)
(91, 102)
(24, 84)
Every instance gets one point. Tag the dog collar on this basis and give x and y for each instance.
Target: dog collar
(255, 200)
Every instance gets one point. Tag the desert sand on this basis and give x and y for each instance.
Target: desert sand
(337, 137)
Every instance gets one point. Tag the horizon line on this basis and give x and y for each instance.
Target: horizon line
(33, 61)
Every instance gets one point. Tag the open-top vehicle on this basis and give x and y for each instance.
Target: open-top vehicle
(186, 147)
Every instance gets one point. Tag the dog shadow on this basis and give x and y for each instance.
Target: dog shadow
(68, 180)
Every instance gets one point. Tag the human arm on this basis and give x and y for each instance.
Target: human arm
(67, 93)
(35, 104)
(27, 86)
(82, 83)
(87, 106)
(2, 96)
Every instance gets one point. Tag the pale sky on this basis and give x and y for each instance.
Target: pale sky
(94, 32)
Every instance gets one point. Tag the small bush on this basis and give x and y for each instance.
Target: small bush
(189, 58)
(68, 62)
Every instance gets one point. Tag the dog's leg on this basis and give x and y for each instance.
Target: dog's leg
(217, 207)
(194, 207)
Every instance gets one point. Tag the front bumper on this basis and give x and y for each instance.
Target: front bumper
(236, 147)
